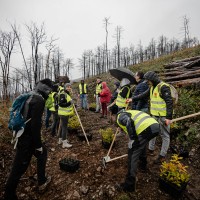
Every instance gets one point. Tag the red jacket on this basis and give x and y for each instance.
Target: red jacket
(105, 94)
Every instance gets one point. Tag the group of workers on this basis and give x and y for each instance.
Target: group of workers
(140, 123)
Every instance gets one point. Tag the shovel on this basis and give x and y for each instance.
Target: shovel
(110, 160)
(81, 125)
(185, 117)
(107, 157)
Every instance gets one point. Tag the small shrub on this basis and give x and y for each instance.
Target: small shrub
(107, 135)
(74, 122)
(174, 171)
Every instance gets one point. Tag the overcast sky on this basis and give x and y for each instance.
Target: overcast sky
(79, 23)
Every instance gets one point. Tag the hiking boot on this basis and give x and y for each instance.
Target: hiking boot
(159, 160)
(60, 141)
(66, 144)
(125, 187)
(42, 188)
(150, 152)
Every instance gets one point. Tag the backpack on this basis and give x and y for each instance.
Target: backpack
(62, 101)
(17, 121)
(174, 93)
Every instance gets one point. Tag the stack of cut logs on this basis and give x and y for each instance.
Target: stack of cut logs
(183, 72)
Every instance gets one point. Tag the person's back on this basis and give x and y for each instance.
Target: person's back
(30, 143)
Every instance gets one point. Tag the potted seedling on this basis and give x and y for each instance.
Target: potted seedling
(69, 164)
(73, 124)
(107, 137)
(92, 106)
(173, 177)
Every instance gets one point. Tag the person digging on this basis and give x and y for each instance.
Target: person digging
(141, 128)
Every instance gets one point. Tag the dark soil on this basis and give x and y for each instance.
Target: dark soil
(91, 180)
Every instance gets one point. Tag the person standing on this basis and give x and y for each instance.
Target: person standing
(140, 128)
(65, 110)
(96, 95)
(30, 143)
(161, 108)
(113, 108)
(141, 87)
(83, 90)
(54, 109)
(105, 96)
(123, 94)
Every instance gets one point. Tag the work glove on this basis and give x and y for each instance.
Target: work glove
(168, 122)
(130, 144)
(38, 151)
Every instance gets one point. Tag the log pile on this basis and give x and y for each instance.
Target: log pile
(185, 72)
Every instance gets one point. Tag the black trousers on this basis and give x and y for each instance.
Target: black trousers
(24, 153)
(138, 152)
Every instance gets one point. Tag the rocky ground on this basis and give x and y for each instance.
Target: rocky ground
(92, 180)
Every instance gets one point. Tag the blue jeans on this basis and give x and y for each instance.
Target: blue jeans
(83, 98)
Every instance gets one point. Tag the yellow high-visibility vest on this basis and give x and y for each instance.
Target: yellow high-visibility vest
(84, 88)
(157, 104)
(120, 101)
(66, 111)
(53, 101)
(98, 88)
(141, 121)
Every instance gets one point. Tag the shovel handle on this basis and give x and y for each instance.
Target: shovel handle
(81, 125)
(117, 158)
(185, 117)
(112, 141)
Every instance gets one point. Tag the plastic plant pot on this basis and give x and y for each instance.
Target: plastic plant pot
(69, 164)
(106, 145)
(81, 136)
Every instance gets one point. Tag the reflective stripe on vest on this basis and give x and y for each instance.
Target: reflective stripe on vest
(53, 100)
(98, 88)
(66, 111)
(84, 88)
(60, 89)
(141, 121)
(157, 104)
(120, 101)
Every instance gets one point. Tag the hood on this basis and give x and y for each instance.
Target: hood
(44, 87)
(104, 85)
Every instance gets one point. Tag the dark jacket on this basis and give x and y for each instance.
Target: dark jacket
(165, 94)
(34, 106)
(139, 104)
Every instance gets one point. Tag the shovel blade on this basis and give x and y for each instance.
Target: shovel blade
(105, 160)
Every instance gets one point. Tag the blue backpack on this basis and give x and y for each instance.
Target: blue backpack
(17, 121)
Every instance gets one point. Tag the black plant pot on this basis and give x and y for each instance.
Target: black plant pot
(69, 164)
(72, 130)
(181, 151)
(172, 189)
(81, 136)
(92, 109)
(106, 145)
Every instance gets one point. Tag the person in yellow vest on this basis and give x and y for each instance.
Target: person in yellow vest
(83, 90)
(97, 94)
(61, 87)
(140, 128)
(123, 94)
(65, 110)
(54, 109)
(161, 108)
